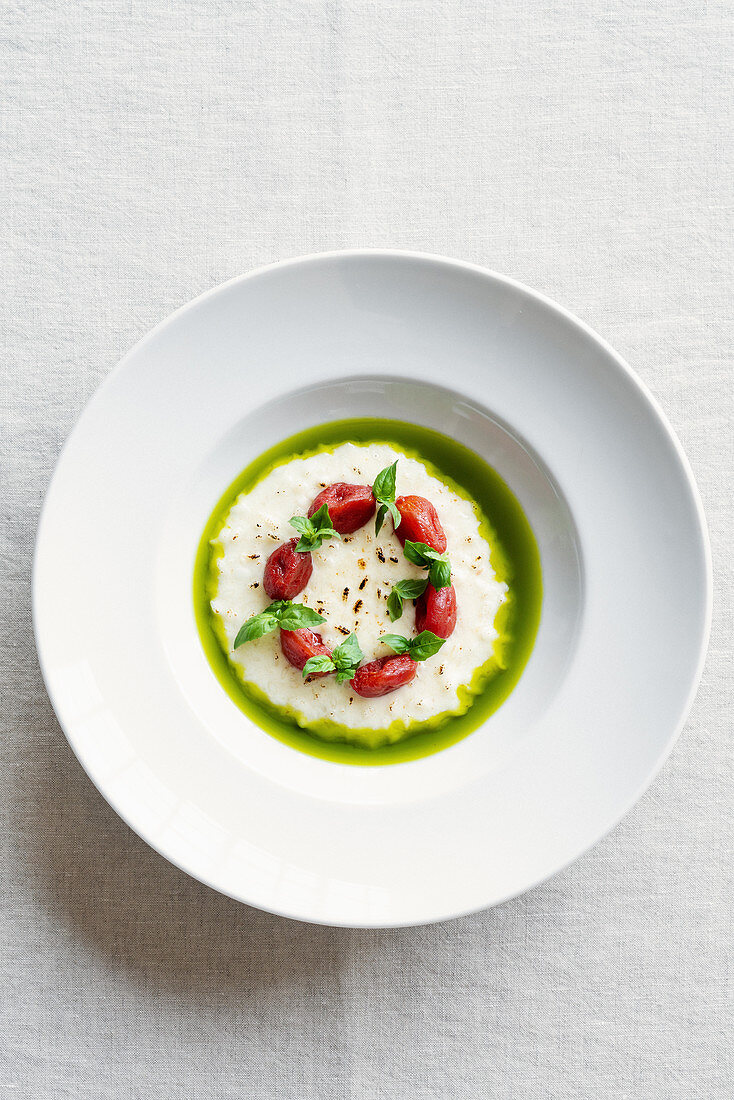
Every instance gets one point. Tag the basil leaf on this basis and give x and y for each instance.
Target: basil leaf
(440, 574)
(298, 616)
(255, 627)
(384, 485)
(438, 565)
(302, 524)
(283, 613)
(277, 606)
(383, 491)
(396, 642)
(347, 658)
(416, 552)
(394, 605)
(321, 520)
(313, 529)
(411, 589)
(348, 653)
(421, 553)
(420, 648)
(425, 645)
(320, 663)
(404, 590)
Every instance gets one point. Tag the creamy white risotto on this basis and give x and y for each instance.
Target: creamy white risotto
(350, 584)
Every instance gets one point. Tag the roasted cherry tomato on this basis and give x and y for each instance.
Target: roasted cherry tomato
(419, 522)
(287, 572)
(299, 645)
(435, 610)
(350, 506)
(384, 675)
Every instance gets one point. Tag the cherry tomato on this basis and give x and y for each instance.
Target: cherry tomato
(299, 645)
(287, 572)
(384, 675)
(435, 610)
(350, 506)
(419, 522)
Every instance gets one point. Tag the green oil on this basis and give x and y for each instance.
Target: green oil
(514, 558)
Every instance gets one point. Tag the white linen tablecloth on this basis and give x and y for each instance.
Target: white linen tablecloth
(151, 150)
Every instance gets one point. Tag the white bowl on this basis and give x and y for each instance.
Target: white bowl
(600, 475)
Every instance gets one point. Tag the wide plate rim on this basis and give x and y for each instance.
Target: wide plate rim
(555, 308)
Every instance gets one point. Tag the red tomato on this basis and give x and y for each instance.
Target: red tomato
(435, 610)
(299, 645)
(287, 572)
(350, 506)
(384, 675)
(419, 522)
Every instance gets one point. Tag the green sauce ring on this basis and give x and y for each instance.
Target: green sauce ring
(514, 558)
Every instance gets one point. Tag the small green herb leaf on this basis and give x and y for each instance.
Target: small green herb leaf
(384, 486)
(394, 605)
(384, 493)
(314, 529)
(396, 642)
(320, 663)
(438, 565)
(412, 588)
(347, 658)
(256, 627)
(296, 616)
(302, 524)
(440, 574)
(425, 645)
(277, 606)
(349, 652)
(283, 613)
(420, 553)
(404, 590)
(420, 648)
